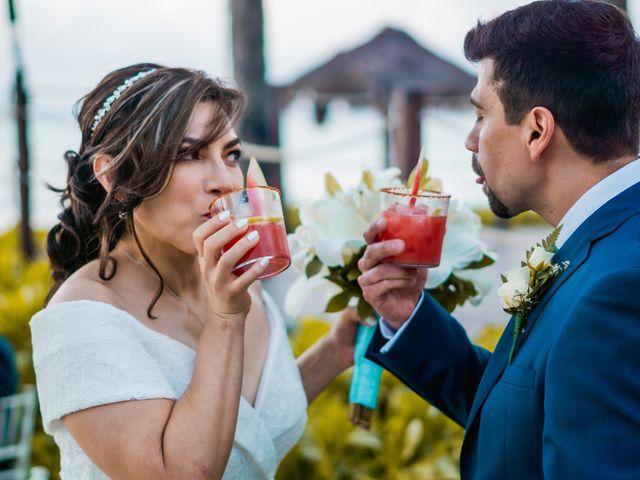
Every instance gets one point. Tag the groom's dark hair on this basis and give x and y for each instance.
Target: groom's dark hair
(579, 59)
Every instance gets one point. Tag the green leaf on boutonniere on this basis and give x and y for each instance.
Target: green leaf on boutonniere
(338, 302)
(549, 242)
(313, 267)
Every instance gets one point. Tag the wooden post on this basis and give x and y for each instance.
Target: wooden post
(260, 125)
(406, 107)
(20, 112)
(26, 239)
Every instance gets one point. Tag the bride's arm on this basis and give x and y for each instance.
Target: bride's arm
(329, 356)
(190, 437)
(164, 439)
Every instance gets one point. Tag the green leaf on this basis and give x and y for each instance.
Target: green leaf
(313, 267)
(364, 309)
(338, 280)
(338, 302)
(485, 261)
(453, 292)
(549, 242)
(353, 274)
(503, 278)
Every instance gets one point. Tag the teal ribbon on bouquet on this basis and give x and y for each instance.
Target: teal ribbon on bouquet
(365, 380)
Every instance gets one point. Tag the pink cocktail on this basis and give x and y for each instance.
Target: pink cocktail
(420, 223)
(262, 208)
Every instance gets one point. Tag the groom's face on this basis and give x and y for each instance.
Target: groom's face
(497, 149)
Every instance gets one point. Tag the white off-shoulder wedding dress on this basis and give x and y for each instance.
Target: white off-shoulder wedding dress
(89, 353)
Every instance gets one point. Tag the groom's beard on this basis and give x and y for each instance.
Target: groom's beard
(498, 208)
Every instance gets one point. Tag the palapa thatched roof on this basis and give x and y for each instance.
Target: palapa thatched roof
(368, 74)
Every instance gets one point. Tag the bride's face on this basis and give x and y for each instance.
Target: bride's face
(173, 215)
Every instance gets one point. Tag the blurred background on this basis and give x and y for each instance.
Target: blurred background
(334, 86)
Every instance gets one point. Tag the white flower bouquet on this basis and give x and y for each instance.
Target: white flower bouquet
(328, 243)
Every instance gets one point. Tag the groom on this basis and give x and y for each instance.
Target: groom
(557, 130)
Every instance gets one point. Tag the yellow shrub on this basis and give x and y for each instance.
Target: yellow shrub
(23, 287)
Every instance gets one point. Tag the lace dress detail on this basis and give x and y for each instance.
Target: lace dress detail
(89, 353)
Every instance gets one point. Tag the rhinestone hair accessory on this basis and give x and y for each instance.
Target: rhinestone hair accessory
(106, 106)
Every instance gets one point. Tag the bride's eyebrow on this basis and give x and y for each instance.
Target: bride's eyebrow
(232, 143)
(190, 140)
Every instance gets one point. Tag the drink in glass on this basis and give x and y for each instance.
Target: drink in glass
(420, 223)
(262, 207)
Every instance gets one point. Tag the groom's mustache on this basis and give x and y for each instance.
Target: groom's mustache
(475, 165)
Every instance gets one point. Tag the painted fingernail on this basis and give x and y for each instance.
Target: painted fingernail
(251, 236)
(242, 223)
(264, 262)
(224, 215)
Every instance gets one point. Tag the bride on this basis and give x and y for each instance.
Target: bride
(154, 360)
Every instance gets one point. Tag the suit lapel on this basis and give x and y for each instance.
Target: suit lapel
(576, 256)
(497, 363)
(576, 249)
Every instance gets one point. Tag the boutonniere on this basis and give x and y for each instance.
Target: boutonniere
(522, 288)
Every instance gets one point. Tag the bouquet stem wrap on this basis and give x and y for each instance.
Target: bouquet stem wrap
(365, 380)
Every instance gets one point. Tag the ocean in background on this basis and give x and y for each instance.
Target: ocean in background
(349, 140)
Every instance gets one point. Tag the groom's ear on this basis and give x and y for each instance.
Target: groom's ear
(539, 129)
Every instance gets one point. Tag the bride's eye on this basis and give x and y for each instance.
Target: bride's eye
(186, 154)
(234, 156)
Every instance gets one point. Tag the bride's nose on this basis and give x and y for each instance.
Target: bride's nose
(218, 179)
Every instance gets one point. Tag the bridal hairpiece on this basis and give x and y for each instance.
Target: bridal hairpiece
(106, 106)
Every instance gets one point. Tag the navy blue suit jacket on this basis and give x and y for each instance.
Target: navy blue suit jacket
(568, 406)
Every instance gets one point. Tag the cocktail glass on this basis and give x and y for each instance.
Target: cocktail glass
(262, 207)
(420, 223)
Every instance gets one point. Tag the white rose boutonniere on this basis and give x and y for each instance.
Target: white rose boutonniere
(513, 292)
(522, 288)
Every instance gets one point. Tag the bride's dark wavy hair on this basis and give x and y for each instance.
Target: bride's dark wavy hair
(141, 133)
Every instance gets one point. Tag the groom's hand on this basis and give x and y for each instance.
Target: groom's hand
(391, 290)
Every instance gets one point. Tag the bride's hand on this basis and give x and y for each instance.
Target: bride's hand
(228, 293)
(343, 336)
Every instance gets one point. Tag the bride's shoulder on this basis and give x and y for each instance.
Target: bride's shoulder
(86, 284)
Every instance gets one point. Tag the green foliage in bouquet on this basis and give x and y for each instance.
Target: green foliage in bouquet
(23, 287)
(408, 440)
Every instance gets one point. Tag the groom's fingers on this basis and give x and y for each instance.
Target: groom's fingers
(382, 289)
(375, 252)
(388, 272)
(375, 229)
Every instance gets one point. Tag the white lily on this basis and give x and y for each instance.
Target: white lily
(309, 296)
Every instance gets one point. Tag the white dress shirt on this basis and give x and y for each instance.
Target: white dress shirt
(585, 206)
